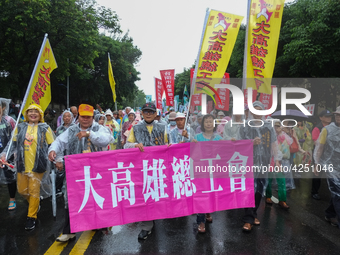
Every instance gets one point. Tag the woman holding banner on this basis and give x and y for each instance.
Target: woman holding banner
(30, 144)
(208, 134)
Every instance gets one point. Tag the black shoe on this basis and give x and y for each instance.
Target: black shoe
(316, 196)
(332, 221)
(30, 224)
(144, 234)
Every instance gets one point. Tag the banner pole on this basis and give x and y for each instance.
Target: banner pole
(192, 88)
(27, 92)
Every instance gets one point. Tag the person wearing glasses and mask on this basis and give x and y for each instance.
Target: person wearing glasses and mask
(147, 132)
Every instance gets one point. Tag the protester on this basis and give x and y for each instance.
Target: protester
(284, 141)
(158, 118)
(30, 144)
(220, 115)
(114, 127)
(5, 136)
(147, 133)
(325, 119)
(231, 129)
(127, 126)
(178, 134)
(74, 111)
(306, 143)
(199, 121)
(208, 134)
(172, 121)
(85, 137)
(327, 158)
(127, 110)
(66, 122)
(5, 103)
(265, 147)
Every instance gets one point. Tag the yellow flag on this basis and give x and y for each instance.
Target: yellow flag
(40, 89)
(220, 35)
(263, 36)
(112, 80)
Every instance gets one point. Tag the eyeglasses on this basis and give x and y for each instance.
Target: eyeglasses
(148, 112)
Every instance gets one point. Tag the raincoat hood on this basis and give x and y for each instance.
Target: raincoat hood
(37, 107)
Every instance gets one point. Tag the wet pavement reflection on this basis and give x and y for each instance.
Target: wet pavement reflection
(300, 230)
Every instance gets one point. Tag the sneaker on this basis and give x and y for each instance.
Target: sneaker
(30, 224)
(144, 234)
(66, 237)
(332, 221)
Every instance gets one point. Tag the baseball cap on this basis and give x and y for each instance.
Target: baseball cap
(325, 113)
(172, 116)
(180, 115)
(149, 106)
(86, 110)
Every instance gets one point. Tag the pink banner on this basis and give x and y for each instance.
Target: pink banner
(159, 89)
(123, 186)
(224, 95)
(168, 79)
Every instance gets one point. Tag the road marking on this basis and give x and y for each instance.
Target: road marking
(82, 243)
(56, 248)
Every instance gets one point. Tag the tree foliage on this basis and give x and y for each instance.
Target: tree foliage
(73, 30)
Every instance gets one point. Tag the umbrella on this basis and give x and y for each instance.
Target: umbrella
(54, 200)
(290, 114)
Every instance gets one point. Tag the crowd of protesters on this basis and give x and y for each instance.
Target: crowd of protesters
(28, 153)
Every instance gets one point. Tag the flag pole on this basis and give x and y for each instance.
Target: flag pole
(192, 87)
(245, 55)
(27, 92)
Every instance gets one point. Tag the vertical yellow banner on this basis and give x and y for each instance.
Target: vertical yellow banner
(111, 79)
(40, 91)
(218, 43)
(263, 37)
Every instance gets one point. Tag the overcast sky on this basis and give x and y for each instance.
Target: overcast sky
(167, 32)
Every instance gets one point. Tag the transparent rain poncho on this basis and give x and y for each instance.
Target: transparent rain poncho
(232, 128)
(265, 151)
(6, 102)
(327, 156)
(305, 139)
(30, 150)
(62, 128)
(7, 174)
(97, 117)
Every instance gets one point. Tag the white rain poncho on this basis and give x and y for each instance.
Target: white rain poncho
(96, 119)
(231, 129)
(262, 153)
(62, 128)
(327, 156)
(7, 174)
(99, 137)
(30, 150)
(6, 111)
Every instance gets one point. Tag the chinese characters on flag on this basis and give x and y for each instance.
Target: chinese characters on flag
(263, 36)
(40, 89)
(159, 92)
(168, 79)
(217, 45)
(224, 95)
(266, 100)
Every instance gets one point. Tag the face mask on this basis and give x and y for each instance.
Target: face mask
(172, 123)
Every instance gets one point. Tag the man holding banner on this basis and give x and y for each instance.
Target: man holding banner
(147, 133)
(84, 137)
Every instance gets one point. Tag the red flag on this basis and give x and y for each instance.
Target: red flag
(245, 93)
(168, 79)
(267, 100)
(159, 92)
(224, 95)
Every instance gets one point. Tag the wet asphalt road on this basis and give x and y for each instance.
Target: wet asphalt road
(300, 230)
